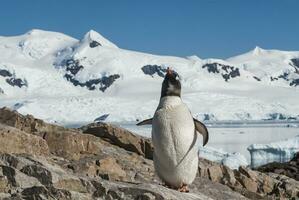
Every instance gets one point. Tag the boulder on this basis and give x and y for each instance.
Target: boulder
(26, 123)
(4, 185)
(16, 141)
(67, 143)
(121, 138)
(70, 144)
(110, 167)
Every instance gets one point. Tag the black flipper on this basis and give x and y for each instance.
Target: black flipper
(145, 122)
(202, 129)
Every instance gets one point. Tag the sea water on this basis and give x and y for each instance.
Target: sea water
(236, 136)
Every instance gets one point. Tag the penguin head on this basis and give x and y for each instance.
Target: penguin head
(171, 85)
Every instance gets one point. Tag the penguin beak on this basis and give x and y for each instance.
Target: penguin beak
(169, 71)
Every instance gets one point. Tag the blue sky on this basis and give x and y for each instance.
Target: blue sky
(207, 28)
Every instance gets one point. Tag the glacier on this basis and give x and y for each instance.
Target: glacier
(282, 151)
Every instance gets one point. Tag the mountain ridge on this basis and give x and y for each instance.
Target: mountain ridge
(51, 69)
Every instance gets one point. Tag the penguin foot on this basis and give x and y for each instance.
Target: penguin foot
(183, 188)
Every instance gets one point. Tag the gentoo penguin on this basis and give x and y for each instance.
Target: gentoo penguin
(174, 136)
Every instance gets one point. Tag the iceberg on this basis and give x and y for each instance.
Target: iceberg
(232, 160)
(282, 151)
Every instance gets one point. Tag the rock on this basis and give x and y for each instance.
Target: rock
(13, 140)
(4, 186)
(44, 161)
(120, 137)
(5, 73)
(285, 187)
(248, 172)
(215, 173)
(136, 167)
(290, 169)
(268, 185)
(71, 184)
(57, 183)
(94, 44)
(154, 69)
(227, 72)
(250, 183)
(42, 192)
(71, 144)
(73, 66)
(214, 190)
(117, 190)
(13, 81)
(228, 176)
(67, 143)
(25, 123)
(109, 166)
(146, 196)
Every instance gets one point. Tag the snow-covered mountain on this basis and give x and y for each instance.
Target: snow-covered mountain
(61, 79)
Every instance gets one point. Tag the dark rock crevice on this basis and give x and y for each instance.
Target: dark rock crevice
(94, 44)
(17, 82)
(155, 69)
(295, 62)
(73, 67)
(91, 84)
(5, 73)
(256, 78)
(12, 79)
(294, 82)
(227, 72)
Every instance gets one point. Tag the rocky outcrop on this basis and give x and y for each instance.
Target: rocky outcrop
(5, 73)
(102, 83)
(101, 161)
(250, 183)
(16, 141)
(73, 66)
(227, 72)
(26, 177)
(289, 169)
(12, 79)
(17, 82)
(26, 123)
(121, 137)
(94, 44)
(67, 143)
(72, 144)
(155, 69)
